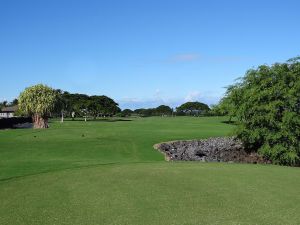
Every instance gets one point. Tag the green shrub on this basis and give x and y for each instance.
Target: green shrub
(267, 104)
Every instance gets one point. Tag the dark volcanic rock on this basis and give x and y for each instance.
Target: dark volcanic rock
(220, 149)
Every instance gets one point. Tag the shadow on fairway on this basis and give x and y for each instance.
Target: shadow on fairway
(96, 120)
(110, 120)
(230, 122)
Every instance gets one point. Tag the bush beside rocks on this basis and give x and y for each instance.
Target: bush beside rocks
(220, 149)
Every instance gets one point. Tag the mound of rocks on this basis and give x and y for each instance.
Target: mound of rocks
(220, 149)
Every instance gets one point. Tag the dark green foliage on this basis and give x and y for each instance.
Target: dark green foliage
(126, 112)
(267, 104)
(84, 105)
(161, 110)
(102, 106)
(230, 103)
(144, 112)
(193, 109)
(186, 109)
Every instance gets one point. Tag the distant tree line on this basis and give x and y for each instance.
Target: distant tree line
(161, 110)
(7, 104)
(186, 109)
(41, 102)
(35, 102)
(266, 104)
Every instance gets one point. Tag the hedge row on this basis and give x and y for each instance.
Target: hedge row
(11, 122)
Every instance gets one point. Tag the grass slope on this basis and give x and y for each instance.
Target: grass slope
(113, 176)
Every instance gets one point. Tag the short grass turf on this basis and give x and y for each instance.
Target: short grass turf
(78, 144)
(108, 173)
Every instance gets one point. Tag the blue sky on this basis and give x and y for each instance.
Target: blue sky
(142, 53)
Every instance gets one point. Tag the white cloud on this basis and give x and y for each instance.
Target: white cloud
(193, 96)
(158, 94)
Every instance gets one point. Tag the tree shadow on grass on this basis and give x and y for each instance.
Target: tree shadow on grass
(230, 122)
(97, 120)
(110, 120)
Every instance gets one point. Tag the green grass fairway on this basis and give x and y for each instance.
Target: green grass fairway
(79, 144)
(108, 173)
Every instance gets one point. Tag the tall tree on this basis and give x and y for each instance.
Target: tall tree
(193, 108)
(102, 105)
(163, 110)
(38, 101)
(61, 105)
(126, 112)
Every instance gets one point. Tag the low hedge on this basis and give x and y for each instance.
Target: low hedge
(11, 122)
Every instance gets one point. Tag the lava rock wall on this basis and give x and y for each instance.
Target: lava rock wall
(220, 149)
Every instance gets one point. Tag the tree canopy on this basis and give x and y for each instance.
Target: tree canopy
(38, 101)
(83, 104)
(193, 108)
(162, 110)
(126, 112)
(266, 103)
